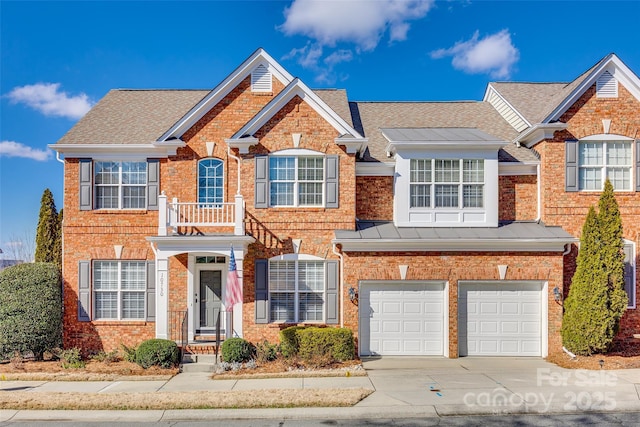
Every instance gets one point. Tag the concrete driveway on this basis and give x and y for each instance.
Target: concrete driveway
(497, 385)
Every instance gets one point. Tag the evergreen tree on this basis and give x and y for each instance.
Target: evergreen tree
(596, 299)
(48, 231)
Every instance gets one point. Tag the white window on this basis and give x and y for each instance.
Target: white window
(121, 185)
(446, 183)
(296, 181)
(119, 289)
(296, 291)
(599, 160)
(210, 182)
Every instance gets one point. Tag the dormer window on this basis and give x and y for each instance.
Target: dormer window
(453, 183)
(261, 79)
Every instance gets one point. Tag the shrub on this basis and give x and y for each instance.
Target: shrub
(157, 352)
(266, 352)
(129, 353)
(327, 344)
(71, 358)
(289, 343)
(30, 309)
(237, 350)
(110, 357)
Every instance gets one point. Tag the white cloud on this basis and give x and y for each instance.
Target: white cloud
(494, 54)
(361, 23)
(16, 149)
(50, 100)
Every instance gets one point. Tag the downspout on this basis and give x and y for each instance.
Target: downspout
(237, 159)
(539, 193)
(61, 234)
(334, 250)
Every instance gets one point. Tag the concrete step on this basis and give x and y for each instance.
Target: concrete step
(199, 358)
(198, 367)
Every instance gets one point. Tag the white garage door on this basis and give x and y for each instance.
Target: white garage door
(400, 318)
(500, 319)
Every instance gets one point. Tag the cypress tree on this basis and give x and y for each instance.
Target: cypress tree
(48, 231)
(596, 299)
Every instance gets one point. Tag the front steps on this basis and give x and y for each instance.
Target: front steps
(199, 363)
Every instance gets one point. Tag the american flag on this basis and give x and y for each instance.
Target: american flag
(234, 290)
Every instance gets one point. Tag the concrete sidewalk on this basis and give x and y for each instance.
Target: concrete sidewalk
(403, 387)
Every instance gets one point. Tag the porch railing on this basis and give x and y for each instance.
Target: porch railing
(178, 329)
(176, 214)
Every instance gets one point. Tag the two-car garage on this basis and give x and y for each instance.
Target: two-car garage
(410, 318)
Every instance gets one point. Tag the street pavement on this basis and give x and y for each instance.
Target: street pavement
(402, 387)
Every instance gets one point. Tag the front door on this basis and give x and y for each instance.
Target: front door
(210, 299)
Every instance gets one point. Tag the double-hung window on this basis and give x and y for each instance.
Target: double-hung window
(120, 185)
(296, 180)
(296, 291)
(119, 290)
(446, 183)
(599, 160)
(210, 183)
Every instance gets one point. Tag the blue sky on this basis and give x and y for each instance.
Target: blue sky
(60, 58)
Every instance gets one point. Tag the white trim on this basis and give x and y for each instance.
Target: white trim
(616, 67)
(295, 88)
(492, 90)
(606, 137)
(296, 152)
(124, 151)
(296, 257)
(260, 56)
(517, 168)
(539, 132)
(375, 168)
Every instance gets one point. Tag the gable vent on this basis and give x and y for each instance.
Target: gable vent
(261, 79)
(606, 86)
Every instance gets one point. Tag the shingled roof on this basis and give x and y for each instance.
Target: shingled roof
(370, 117)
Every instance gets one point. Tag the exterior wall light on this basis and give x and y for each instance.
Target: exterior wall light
(556, 294)
(353, 294)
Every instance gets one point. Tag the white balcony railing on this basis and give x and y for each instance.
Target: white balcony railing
(192, 214)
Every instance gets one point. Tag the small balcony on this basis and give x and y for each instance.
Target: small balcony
(175, 214)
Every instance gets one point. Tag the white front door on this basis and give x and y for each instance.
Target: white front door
(402, 318)
(500, 318)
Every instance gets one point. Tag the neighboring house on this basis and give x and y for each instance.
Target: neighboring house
(428, 228)
(6, 263)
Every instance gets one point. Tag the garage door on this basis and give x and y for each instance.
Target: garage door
(401, 318)
(500, 319)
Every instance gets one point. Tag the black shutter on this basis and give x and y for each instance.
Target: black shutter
(153, 184)
(262, 291)
(332, 169)
(84, 291)
(629, 284)
(332, 303)
(262, 182)
(86, 185)
(151, 291)
(571, 165)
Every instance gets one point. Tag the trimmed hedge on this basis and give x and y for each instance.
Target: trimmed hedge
(289, 343)
(30, 309)
(337, 343)
(158, 352)
(237, 350)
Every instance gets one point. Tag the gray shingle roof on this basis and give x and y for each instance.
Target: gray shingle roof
(132, 116)
(337, 100)
(535, 101)
(437, 134)
(369, 117)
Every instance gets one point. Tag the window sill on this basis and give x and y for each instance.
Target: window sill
(114, 322)
(120, 211)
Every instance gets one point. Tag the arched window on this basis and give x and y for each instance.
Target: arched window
(210, 182)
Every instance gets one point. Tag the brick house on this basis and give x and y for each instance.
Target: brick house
(428, 228)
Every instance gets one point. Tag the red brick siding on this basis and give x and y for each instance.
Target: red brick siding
(517, 198)
(452, 267)
(569, 209)
(374, 198)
